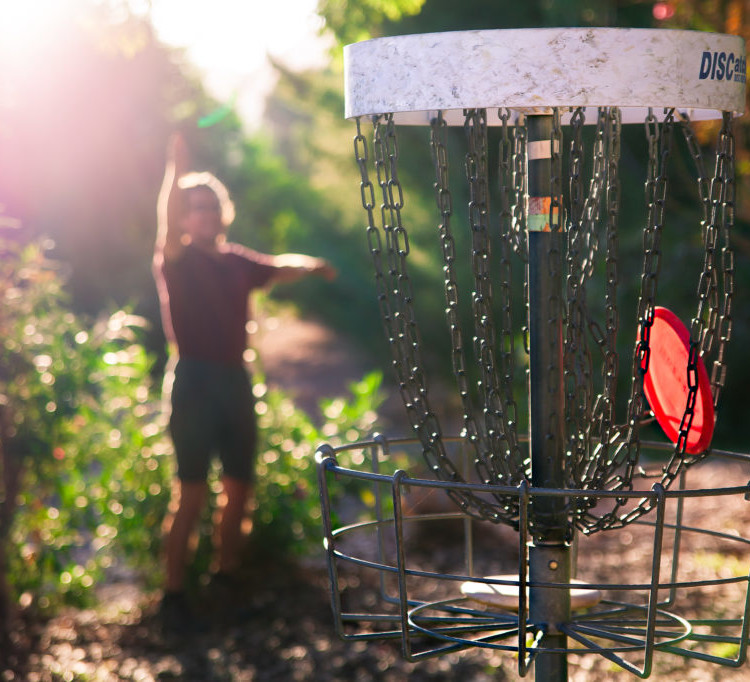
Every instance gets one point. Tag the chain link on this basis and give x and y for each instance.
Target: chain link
(448, 246)
(660, 147)
(508, 244)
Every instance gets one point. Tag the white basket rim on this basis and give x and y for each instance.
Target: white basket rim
(533, 70)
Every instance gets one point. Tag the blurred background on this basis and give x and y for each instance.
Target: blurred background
(90, 91)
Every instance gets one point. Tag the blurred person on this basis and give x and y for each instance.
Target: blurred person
(203, 283)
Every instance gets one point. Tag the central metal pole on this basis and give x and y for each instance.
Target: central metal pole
(549, 552)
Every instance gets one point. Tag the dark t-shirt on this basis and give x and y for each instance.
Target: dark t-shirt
(206, 308)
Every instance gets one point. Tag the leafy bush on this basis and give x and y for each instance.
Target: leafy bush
(85, 425)
(287, 517)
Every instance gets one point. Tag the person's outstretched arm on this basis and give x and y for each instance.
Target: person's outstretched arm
(169, 206)
(291, 267)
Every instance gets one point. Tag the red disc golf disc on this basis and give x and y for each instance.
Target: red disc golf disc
(666, 383)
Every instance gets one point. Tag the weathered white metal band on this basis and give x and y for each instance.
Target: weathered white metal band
(533, 70)
(541, 149)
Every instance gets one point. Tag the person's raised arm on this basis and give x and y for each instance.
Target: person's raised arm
(291, 267)
(169, 206)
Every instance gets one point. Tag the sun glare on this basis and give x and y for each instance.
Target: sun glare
(25, 27)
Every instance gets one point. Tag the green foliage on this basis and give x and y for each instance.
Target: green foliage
(351, 21)
(287, 517)
(354, 21)
(85, 425)
(320, 210)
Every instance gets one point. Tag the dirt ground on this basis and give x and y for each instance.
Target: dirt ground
(278, 624)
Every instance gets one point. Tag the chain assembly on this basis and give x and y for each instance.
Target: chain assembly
(389, 248)
(598, 452)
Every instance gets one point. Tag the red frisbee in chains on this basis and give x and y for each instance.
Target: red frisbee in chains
(666, 383)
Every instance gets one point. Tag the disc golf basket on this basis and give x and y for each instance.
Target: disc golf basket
(534, 313)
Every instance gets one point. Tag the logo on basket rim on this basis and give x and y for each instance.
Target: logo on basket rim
(721, 66)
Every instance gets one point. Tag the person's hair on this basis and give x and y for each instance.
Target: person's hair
(204, 180)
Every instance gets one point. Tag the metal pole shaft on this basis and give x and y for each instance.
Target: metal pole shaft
(549, 555)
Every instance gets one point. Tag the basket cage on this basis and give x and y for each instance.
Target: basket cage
(409, 551)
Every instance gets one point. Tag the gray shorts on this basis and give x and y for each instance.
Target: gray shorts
(213, 414)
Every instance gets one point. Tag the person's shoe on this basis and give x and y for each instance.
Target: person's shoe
(225, 597)
(175, 614)
(224, 583)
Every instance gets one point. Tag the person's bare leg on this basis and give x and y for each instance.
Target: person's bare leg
(192, 498)
(236, 493)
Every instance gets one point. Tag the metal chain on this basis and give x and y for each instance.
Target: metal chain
(660, 146)
(707, 285)
(722, 210)
(589, 423)
(499, 424)
(603, 411)
(475, 127)
(600, 454)
(701, 335)
(402, 330)
(520, 242)
(659, 143)
(506, 508)
(448, 246)
(394, 291)
(619, 467)
(597, 188)
(577, 360)
(715, 327)
(506, 345)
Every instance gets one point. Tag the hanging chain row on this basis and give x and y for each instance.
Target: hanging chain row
(722, 203)
(395, 299)
(589, 418)
(601, 427)
(712, 324)
(626, 457)
(499, 413)
(497, 454)
(576, 358)
(492, 453)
